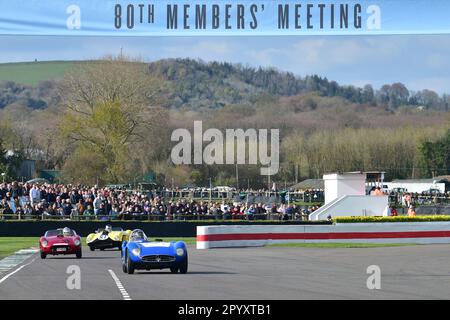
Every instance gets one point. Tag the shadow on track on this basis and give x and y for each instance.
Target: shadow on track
(83, 258)
(189, 272)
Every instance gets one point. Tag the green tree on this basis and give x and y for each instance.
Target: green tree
(112, 112)
(436, 155)
(105, 133)
(9, 163)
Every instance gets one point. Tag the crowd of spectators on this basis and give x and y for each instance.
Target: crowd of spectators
(419, 198)
(41, 201)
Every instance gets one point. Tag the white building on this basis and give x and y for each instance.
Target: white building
(345, 195)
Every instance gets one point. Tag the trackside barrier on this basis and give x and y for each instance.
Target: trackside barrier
(252, 236)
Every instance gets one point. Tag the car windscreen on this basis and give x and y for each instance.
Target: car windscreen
(113, 229)
(138, 236)
(54, 233)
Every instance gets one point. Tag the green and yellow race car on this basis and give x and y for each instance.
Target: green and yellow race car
(108, 237)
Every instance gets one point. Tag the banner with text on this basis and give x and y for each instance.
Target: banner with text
(221, 17)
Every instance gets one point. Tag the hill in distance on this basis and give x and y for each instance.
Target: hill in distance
(199, 85)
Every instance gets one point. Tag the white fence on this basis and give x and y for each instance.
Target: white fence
(254, 236)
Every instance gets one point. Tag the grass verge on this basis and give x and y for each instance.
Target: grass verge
(341, 245)
(9, 245)
(189, 241)
(424, 218)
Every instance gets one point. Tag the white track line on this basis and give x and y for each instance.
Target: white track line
(17, 270)
(119, 285)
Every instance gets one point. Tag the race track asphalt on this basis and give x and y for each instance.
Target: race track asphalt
(413, 272)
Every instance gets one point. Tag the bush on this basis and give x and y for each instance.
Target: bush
(391, 219)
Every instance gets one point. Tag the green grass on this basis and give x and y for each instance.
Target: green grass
(340, 245)
(31, 73)
(189, 241)
(424, 218)
(308, 204)
(9, 245)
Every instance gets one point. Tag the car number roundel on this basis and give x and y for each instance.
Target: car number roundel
(155, 244)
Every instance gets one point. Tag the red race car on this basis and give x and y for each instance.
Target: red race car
(60, 241)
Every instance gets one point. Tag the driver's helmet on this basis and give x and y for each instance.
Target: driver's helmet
(138, 235)
(108, 228)
(67, 232)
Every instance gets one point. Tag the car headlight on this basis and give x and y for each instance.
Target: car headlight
(77, 242)
(136, 251)
(44, 243)
(180, 251)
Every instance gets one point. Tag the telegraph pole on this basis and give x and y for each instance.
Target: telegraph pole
(237, 177)
(210, 190)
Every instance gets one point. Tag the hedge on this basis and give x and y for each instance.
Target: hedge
(392, 219)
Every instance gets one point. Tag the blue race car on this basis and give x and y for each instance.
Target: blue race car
(138, 253)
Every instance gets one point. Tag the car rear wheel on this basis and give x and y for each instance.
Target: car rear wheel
(91, 248)
(43, 255)
(184, 266)
(130, 266)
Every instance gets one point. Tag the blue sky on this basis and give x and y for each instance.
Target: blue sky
(417, 61)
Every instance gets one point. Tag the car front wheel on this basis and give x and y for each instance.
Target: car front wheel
(124, 263)
(184, 266)
(43, 255)
(130, 266)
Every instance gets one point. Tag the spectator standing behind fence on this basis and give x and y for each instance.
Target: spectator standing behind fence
(392, 212)
(97, 202)
(378, 192)
(80, 207)
(35, 195)
(67, 208)
(250, 212)
(5, 208)
(411, 211)
(260, 212)
(89, 212)
(407, 201)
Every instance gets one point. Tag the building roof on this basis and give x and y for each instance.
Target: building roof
(309, 184)
(429, 180)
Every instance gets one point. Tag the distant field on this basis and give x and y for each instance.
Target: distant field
(32, 72)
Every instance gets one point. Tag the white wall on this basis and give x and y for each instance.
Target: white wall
(353, 206)
(338, 185)
(254, 235)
